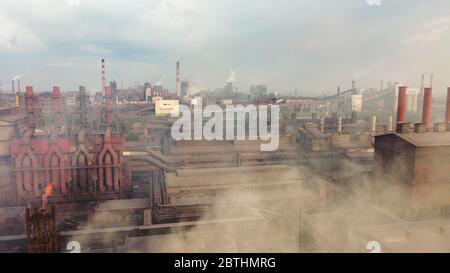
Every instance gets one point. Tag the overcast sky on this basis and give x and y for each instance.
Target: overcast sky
(314, 45)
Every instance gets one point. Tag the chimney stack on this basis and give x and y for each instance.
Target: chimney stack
(426, 112)
(29, 106)
(13, 91)
(103, 76)
(178, 80)
(108, 106)
(56, 105)
(373, 127)
(389, 124)
(82, 108)
(401, 106)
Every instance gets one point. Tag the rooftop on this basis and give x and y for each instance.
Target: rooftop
(430, 139)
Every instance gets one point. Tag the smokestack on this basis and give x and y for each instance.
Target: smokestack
(82, 99)
(13, 91)
(108, 106)
(401, 107)
(103, 76)
(29, 106)
(56, 105)
(390, 123)
(178, 80)
(447, 110)
(374, 124)
(426, 112)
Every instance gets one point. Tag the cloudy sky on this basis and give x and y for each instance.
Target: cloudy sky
(314, 45)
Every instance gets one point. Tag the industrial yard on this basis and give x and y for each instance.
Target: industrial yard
(107, 174)
(175, 164)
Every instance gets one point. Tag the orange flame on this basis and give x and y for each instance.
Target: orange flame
(47, 193)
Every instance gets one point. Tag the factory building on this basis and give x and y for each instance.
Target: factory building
(82, 167)
(413, 160)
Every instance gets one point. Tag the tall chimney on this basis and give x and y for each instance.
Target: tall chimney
(56, 105)
(389, 124)
(29, 106)
(13, 91)
(426, 112)
(178, 80)
(82, 108)
(103, 76)
(373, 126)
(401, 107)
(108, 106)
(447, 110)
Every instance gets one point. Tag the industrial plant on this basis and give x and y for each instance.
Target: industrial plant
(102, 172)
(234, 127)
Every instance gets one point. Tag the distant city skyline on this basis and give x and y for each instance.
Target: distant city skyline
(311, 45)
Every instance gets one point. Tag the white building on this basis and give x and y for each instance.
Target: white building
(165, 107)
(356, 103)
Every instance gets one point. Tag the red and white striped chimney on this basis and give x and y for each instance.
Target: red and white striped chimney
(426, 112)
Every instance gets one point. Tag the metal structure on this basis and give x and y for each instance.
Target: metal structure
(86, 167)
(42, 234)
